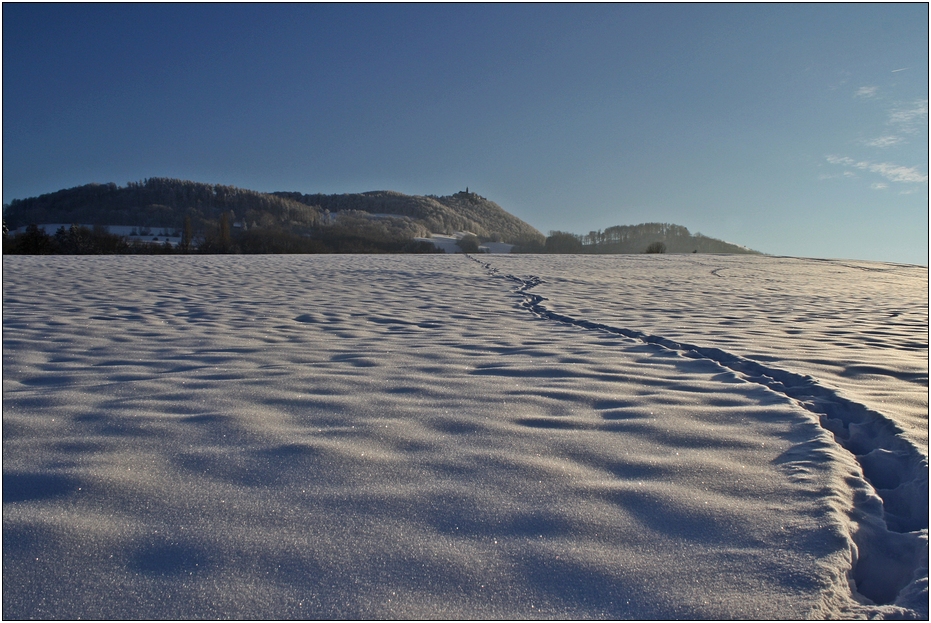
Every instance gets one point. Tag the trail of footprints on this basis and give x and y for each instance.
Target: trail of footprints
(892, 540)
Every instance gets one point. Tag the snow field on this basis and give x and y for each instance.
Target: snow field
(413, 437)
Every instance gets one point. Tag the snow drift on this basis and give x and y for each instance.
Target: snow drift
(424, 437)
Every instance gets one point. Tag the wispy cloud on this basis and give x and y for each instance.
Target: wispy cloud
(904, 120)
(908, 117)
(884, 141)
(891, 171)
(844, 160)
(896, 173)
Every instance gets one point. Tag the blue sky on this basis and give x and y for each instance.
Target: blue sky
(795, 129)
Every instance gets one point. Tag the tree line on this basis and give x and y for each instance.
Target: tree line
(643, 238)
(219, 239)
(76, 240)
(351, 233)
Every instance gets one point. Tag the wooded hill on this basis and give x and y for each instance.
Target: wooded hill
(156, 203)
(643, 238)
(463, 211)
(378, 220)
(226, 219)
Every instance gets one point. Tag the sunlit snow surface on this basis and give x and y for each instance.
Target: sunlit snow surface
(427, 437)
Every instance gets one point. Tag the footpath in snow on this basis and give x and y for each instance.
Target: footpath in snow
(890, 532)
(428, 437)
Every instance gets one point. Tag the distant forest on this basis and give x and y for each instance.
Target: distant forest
(211, 218)
(644, 238)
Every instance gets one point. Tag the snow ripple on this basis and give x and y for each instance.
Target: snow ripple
(890, 513)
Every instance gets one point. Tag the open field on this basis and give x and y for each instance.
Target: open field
(421, 437)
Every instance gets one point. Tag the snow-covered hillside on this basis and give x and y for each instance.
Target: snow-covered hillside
(439, 436)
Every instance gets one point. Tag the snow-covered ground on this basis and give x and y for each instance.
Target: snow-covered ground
(439, 436)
